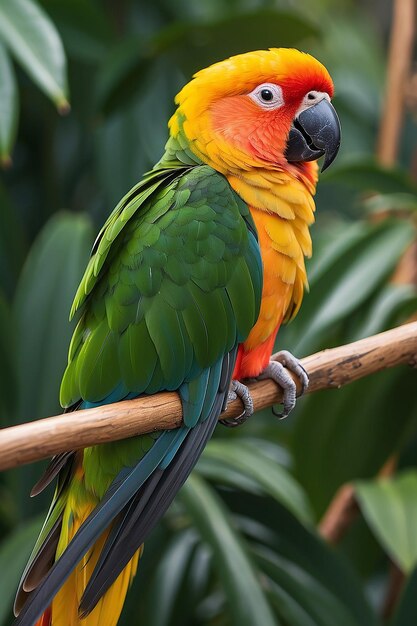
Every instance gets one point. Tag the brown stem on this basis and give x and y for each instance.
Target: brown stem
(340, 515)
(398, 72)
(327, 369)
(343, 509)
(395, 587)
(406, 271)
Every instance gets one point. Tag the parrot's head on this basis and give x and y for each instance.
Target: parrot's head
(269, 109)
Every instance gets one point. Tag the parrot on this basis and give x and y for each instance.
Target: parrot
(188, 283)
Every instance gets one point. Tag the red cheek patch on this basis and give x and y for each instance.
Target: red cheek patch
(262, 134)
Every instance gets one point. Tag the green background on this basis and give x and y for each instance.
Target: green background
(240, 544)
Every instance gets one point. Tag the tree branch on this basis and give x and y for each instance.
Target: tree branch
(327, 369)
(399, 64)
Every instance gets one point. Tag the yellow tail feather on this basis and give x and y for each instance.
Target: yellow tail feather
(66, 602)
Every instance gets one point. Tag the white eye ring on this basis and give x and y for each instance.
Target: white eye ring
(268, 96)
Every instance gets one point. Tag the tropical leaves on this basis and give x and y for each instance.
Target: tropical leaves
(390, 508)
(28, 36)
(14, 552)
(239, 545)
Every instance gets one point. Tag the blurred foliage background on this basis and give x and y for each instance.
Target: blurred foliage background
(242, 543)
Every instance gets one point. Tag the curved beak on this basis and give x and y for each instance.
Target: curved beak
(314, 133)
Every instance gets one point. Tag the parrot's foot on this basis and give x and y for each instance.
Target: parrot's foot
(239, 390)
(278, 370)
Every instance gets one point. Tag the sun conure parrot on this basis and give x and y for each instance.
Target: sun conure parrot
(187, 285)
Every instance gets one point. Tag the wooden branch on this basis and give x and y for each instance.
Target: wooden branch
(395, 587)
(338, 518)
(398, 74)
(327, 369)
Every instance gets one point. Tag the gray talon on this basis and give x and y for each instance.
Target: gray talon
(277, 370)
(293, 364)
(239, 390)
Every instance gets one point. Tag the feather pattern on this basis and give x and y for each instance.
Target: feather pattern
(174, 296)
(170, 268)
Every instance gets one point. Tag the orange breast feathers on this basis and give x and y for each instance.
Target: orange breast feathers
(282, 224)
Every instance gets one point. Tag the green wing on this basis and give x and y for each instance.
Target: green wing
(173, 285)
(130, 204)
(176, 160)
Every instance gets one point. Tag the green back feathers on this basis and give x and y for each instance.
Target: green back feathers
(173, 284)
(128, 206)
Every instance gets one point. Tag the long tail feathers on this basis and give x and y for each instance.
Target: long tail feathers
(87, 584)
(123, 488)
(135, 526)
(64, 610)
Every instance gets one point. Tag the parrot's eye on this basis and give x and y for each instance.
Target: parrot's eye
(268, 95)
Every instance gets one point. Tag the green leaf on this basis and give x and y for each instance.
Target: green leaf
(127, 143)
(194, 45)
(342, 435)
(271, 477)
(350, 280)
(392, 306)
(303, 558)
(345, 186)
(220, 473)
(165, 594)
(300, 598)
(115, 85)
(12, 243)
(367, 175)
(352, 238)
(239, 32)
(390, 202)
(14, 553)
(9, 106)
(371, 266)
(8, 365)
(329, 264)
(34, 41)
(390, 508)
(246, 599)
(406, 613)
(86, 29)
(44, 294)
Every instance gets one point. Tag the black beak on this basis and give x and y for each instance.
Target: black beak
(314, 133)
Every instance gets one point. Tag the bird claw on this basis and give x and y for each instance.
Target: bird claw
(292, 364)
(278, 371)
(239, 390)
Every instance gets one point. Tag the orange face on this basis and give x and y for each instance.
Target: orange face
(240, 111)
(242, 123)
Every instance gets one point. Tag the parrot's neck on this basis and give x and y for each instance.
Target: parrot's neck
(276, 192)
(283, 209)
(281, 201)
(282, 206)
